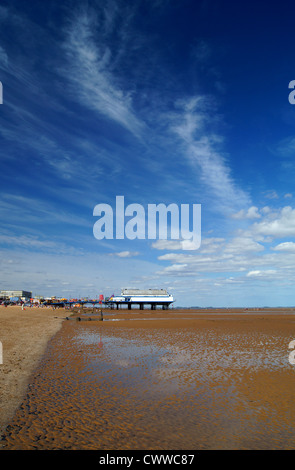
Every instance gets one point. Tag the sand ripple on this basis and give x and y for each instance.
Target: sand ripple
(205, 385)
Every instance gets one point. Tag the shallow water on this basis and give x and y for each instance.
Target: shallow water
(220, 386)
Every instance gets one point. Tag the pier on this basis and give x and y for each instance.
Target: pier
(141, 298)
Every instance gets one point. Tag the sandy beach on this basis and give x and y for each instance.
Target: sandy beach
(24, 335)
(147, 380)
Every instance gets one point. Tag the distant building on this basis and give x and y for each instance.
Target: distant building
(22, 294)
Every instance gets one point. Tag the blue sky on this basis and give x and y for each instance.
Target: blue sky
(158, 101)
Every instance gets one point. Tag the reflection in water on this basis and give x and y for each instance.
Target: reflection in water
(110, 387)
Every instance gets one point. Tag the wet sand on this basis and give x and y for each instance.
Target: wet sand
(159, 380)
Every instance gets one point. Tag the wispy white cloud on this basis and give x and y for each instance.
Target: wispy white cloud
(251, 213)
(271, 194)
(17, 209)
(191, 122)
(125, 254)
(36, 244)
(175, 245)
(3, 58)
(285, 246)
(89, 69)
(264, 273)
(277, 223)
